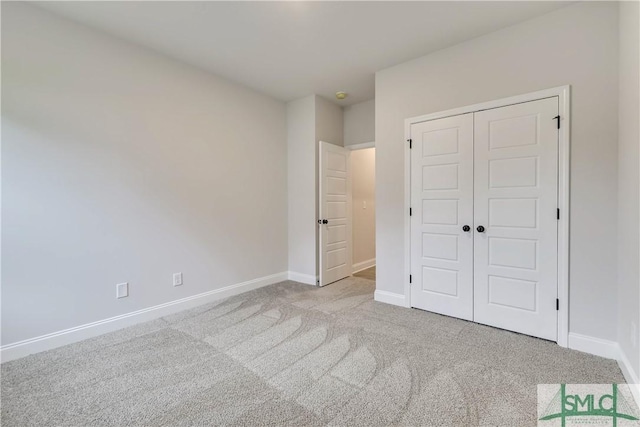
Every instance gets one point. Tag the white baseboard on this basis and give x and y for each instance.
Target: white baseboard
(610, 350)
(592, 345)
(68, 336)
(630, 375)
(389, 298)
(307, 279)
(363, 265)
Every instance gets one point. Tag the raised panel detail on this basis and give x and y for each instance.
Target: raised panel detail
(440, 177)
(336, 233)
(440, 142)
(336, 258)
(515, 253)
(336, 210)
(513, 132)
(509, 173)
(336, 186)
(521, 213)
(513, 293)
(336, 162)
(440, 280)
(440, 246)
(443, 212)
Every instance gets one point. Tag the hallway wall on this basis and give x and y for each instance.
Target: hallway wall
(363, 177)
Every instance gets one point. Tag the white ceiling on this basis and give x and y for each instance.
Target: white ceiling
(292, 49)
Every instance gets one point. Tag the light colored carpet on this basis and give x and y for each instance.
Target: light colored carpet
(292, 354)
(369, 273)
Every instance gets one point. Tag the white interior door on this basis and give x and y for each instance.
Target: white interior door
(442, 216)
(515, 203)
(334, 217)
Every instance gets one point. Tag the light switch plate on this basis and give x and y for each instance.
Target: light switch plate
(122, 290)
(177, 279)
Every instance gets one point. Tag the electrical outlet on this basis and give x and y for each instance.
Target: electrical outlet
(122, 290)
(177, 279)
(634, 335)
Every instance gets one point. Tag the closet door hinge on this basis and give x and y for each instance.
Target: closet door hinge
(410, 211)
(410, 278)
(410, 141)
(558, 119)
(557, 304)
(557, 213)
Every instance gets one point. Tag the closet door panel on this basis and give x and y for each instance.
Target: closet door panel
(515, 204)
(442, 204)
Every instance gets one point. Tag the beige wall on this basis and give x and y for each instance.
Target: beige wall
(120, 165)
(359, 123)
(329, 122)
(309, 120)
(363, 177)
(576, 45)
(629, 186)
(329, 128)
(301, 155)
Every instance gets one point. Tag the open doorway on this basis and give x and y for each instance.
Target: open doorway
(346, 197)
(363, 210)
(346, 219)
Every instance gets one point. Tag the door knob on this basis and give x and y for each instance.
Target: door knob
(480, 229)
(325, 221)
(466, 228)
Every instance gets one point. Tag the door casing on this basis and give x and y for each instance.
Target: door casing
(563, 93)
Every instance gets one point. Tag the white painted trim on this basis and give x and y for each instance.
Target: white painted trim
(390, 298)
(363, 265)
(89, 330)
(320, 213)
(564, 166)
(407, 218)
(563, 93)
(503, 102)
(593, 345)
(629, 375)
(307, 279)
(361, 146)
(610, 350)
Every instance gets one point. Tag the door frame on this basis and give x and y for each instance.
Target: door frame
(564, 109)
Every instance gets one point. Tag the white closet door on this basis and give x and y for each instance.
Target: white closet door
(516, 255)
(442, 204)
